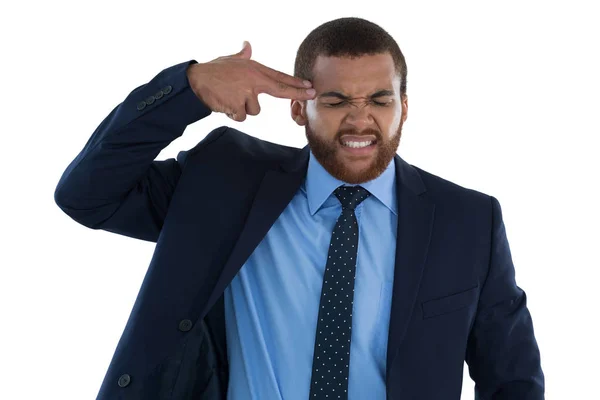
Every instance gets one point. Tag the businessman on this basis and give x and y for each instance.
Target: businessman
(335, 271)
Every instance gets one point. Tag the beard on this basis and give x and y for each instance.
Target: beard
(327, 154)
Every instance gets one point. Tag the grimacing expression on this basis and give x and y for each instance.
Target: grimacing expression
(358, 101)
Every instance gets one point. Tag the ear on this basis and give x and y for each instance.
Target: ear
(298, 112)
(404, 108)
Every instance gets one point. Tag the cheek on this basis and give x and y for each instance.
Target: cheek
(393, 122)
(322, 120)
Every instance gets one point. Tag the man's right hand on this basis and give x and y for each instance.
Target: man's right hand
(231, 84)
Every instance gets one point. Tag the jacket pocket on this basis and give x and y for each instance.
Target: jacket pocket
(450, 303)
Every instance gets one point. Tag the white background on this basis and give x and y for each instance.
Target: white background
(503, 98)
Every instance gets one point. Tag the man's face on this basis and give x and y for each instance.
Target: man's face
(357, 101)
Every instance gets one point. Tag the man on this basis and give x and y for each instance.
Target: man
(336, 271)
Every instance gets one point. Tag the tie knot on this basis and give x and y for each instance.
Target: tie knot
(351, 196)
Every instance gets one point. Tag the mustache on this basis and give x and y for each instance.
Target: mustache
(354, 132)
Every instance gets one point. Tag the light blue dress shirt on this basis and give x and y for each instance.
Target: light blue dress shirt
(271, 305)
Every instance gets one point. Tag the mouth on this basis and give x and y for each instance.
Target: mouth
(358, 147)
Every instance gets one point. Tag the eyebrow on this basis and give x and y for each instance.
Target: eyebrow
(380, 93)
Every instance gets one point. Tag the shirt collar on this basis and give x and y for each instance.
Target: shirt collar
(319, 185)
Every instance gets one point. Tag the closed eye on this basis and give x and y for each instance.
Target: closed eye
(377, 103)
(336, 104)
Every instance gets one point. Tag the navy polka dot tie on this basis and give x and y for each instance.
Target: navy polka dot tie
(331, 359)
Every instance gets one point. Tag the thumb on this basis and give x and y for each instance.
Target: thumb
(246, 51)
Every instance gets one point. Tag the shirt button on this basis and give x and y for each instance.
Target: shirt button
(185, 325)
(124, 380)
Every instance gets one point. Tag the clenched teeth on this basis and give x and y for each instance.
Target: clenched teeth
(357, 144)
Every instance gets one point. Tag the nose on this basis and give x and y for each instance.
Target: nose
(360, 118)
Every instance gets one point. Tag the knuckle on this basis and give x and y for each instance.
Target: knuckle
(239, 116)
(282, 87)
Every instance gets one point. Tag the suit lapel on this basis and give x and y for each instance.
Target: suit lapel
(415, 224)
(278, 187)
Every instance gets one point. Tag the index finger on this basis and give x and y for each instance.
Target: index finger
(284, 91)
(283, 77)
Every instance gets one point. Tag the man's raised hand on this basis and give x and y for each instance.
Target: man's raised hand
(231, 84)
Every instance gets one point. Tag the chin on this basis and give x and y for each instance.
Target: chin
(348, 172)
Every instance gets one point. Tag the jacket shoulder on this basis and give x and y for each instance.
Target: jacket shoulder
(443, 190)
(237, 145)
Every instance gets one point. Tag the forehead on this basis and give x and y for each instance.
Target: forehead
(355, 76)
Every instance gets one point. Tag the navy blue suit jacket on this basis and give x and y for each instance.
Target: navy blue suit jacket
(454, 294)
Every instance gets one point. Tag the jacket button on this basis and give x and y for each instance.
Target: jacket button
(167, 89)
(141, 105)
(124, 380)
(185, 325)
(158, 94)
(150, 100)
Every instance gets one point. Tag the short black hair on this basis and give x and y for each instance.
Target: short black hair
(348, 37)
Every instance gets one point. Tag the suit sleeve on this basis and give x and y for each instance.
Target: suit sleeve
(114, 183)
(502, 353)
